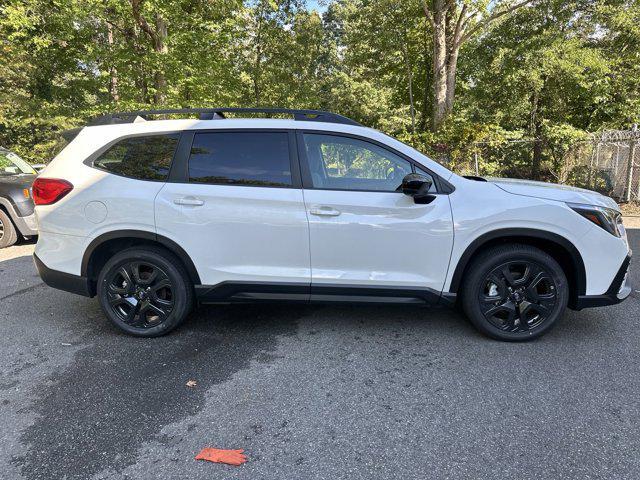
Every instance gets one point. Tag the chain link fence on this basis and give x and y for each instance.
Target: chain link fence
(614, 164)
(608, 162)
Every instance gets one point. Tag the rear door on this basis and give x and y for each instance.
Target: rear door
(234, 203)
(368, 238)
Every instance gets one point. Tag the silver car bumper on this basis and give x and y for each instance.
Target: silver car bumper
(27, 226)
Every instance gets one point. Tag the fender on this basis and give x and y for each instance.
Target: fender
(164, 241)
(9, 207)
(514, 233)
(23, 223)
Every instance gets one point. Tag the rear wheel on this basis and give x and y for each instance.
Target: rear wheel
(145, 291)
(8, 233)
(514, 292)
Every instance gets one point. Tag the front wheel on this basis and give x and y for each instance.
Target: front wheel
(145, 291)
(514, 292)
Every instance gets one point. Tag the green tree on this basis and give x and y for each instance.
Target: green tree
(453, 23)
(541, 72)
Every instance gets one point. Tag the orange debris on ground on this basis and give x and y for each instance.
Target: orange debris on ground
(217, 455)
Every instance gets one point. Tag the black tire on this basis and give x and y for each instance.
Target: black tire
(8, 233)
(145, 291)
(514, 292)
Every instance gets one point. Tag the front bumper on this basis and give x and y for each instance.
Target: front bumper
(61, 280)
(618, 291)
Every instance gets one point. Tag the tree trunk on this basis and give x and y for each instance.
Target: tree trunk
(160, 47)
(158, 37)
(452, 25)
(412, 109)
(113, 72)
(439, 68)
(426, 92)
(258, 66)
(537, 159)
(535, 130)
(143, 85)
(131, 36)
(256, 76)
(452, 67)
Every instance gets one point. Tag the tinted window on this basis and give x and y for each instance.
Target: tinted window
(350, 164)
(146, 158)
(241, 158)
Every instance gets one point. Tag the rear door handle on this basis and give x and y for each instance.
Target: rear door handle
(191, 201)
(324, 211)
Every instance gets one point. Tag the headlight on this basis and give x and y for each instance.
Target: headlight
(607, 218)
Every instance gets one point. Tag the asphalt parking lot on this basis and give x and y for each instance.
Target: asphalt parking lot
(311, 392)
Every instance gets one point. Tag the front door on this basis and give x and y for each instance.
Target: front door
(366, 237)
(239, 214)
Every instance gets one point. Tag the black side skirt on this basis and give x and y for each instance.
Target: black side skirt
(247, 292)
(251, 292)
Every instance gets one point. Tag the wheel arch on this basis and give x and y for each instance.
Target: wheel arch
(7, 208)
(5, 211)
(560, 248)
(103, 246)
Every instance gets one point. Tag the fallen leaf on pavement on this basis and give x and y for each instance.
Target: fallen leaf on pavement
(217, 455)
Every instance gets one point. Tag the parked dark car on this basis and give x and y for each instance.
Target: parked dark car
(17, 217)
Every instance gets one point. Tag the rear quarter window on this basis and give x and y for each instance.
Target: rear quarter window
(142, 157)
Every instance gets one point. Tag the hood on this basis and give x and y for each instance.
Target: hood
(553, 191)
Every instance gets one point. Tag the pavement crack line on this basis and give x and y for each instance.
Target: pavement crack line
(24, 290)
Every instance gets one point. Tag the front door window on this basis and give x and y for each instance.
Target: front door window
(345, 163)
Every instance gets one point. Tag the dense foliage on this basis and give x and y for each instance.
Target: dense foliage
(446, 76)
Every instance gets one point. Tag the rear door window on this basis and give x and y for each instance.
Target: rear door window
(143, 157)
(241, 158)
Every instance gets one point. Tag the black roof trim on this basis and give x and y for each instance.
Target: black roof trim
(218, 113)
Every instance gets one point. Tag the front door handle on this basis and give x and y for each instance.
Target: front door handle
(191, 201)
(324, 211)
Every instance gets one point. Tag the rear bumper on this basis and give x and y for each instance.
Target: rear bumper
(618, 291)
(61, 280)
(27, 226)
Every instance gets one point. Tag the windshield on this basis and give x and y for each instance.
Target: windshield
(12, 164)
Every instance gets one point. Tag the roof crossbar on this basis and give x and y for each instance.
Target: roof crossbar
(219, 113)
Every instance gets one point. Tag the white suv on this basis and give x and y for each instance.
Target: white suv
(155, 216)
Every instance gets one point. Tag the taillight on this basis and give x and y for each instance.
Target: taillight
(49, 190)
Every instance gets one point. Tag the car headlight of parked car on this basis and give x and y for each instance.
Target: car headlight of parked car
(607, 218)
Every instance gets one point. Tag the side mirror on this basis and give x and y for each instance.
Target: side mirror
(417, 186)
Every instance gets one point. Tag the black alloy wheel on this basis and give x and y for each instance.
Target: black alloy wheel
(518, 296)
(145, 291)
(140, 294)
(514, 292)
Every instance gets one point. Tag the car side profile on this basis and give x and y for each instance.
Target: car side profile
(17, 217)
(156, 216)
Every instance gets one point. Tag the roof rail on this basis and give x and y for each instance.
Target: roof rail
(218, 113)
